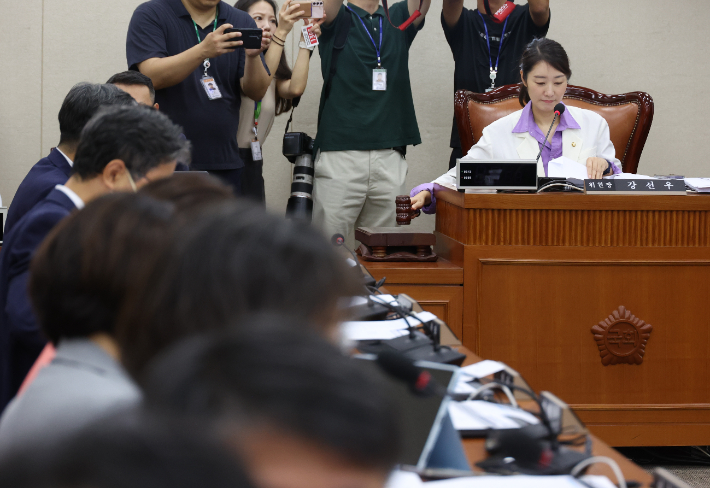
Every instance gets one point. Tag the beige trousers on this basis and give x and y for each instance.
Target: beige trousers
(357, 189)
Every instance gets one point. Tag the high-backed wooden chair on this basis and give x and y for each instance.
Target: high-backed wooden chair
(629, 116)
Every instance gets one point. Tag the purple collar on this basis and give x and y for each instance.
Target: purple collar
(527, 121)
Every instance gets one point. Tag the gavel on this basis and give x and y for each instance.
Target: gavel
(404, 210)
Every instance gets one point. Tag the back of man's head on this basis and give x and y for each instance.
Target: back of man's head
(92, 260)
(150, 453)
(234, 261)
(134, 79)
(271, 378)
(139, 136)
(82, 102)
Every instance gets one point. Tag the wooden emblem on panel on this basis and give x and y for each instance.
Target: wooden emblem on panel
(622, 337)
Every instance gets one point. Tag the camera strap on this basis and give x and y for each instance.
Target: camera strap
(342, 29)
(406, 23)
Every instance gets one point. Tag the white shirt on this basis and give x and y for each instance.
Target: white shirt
(71, 163)
(78, 202)
(500, 142)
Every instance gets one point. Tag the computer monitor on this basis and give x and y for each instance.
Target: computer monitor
(517, 174)
(421, 418)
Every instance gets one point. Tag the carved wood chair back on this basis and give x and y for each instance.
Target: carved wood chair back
(629, 116)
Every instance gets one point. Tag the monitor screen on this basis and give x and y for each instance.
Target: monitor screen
(419, 416)
(498, 174)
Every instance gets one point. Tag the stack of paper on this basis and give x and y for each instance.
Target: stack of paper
(522, 481)
(382, 329)
(477, 416)
(701, 185)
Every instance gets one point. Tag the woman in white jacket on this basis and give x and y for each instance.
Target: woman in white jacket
(578, 134)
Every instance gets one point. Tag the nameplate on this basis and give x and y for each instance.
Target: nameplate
(635, 187)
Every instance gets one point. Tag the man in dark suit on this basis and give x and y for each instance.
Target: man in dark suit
(80, 104)
(121, 148)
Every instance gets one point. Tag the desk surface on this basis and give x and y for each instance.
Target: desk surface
(574, 201)
(475, 450)
(440, 272)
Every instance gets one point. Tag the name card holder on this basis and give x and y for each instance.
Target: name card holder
(634, 187)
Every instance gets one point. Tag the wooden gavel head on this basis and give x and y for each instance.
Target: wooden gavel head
(404, 209)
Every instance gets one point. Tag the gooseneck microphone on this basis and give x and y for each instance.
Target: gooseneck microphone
(559, 110)
(338, 240)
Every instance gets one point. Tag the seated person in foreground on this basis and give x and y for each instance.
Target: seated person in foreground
(298, 412)
(78, 280)
(234, 260)
(126, 451)
(578, 134)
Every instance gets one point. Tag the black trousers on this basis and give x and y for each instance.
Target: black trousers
(252, 177)
(232, 177)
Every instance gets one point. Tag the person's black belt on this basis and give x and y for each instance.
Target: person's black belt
(401, 150)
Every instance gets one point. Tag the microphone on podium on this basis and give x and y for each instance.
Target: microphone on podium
(559, 110)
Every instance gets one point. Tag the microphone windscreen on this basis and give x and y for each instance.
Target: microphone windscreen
(560, 107)
(398, 366)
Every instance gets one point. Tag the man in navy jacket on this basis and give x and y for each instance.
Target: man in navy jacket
(121, 148)
(80, 104)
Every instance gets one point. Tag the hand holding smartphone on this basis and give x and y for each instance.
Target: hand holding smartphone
(251, 38)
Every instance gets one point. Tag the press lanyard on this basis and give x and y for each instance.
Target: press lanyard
(206, 63)
(494, 71)
(377, 49)
(257, 112)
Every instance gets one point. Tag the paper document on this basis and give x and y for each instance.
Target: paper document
(404, 479)
(563, 167)
(629, 176)
(701, 185)
(382, 329)
(522, 481)
(479, 415)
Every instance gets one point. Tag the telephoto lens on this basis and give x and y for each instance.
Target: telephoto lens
(298, 148)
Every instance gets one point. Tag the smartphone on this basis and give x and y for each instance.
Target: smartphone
(312, 9)
(251, 38)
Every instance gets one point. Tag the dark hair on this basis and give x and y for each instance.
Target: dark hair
(235, 260)
(82, 271)
(82, 103)
(132, 78)
(190, 192)
(538, 51)
(139, 454)
(139, 136)
(272, 372)
(283, 71)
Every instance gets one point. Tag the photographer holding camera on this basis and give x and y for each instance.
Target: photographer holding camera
(366, 116)
(257, 116)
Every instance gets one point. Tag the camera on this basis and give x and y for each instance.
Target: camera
(298, 149)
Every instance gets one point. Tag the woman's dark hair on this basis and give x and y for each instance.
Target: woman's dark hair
(283, 72)
(234, 260)
(542, 50)
(83, 270)
(191, 192)
(271, 371)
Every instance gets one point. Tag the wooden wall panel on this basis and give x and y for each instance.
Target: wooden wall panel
(538, 317)
(519, 227)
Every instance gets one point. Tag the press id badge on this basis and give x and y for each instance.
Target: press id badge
(255, 150)
(308, 36)
(379, 79)
(211, 87)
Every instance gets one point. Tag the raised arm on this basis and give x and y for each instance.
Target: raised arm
(414, 5)
(539, 11)
(256, 79)
(299, 78)
(171, 70)
(452, 12)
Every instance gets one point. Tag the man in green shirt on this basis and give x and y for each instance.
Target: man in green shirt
(366, 115)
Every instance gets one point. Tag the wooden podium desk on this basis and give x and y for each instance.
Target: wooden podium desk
(541, 270)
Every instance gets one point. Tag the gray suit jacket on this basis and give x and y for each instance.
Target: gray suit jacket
(81, 385)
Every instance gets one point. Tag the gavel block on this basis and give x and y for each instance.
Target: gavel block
(395, 244)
